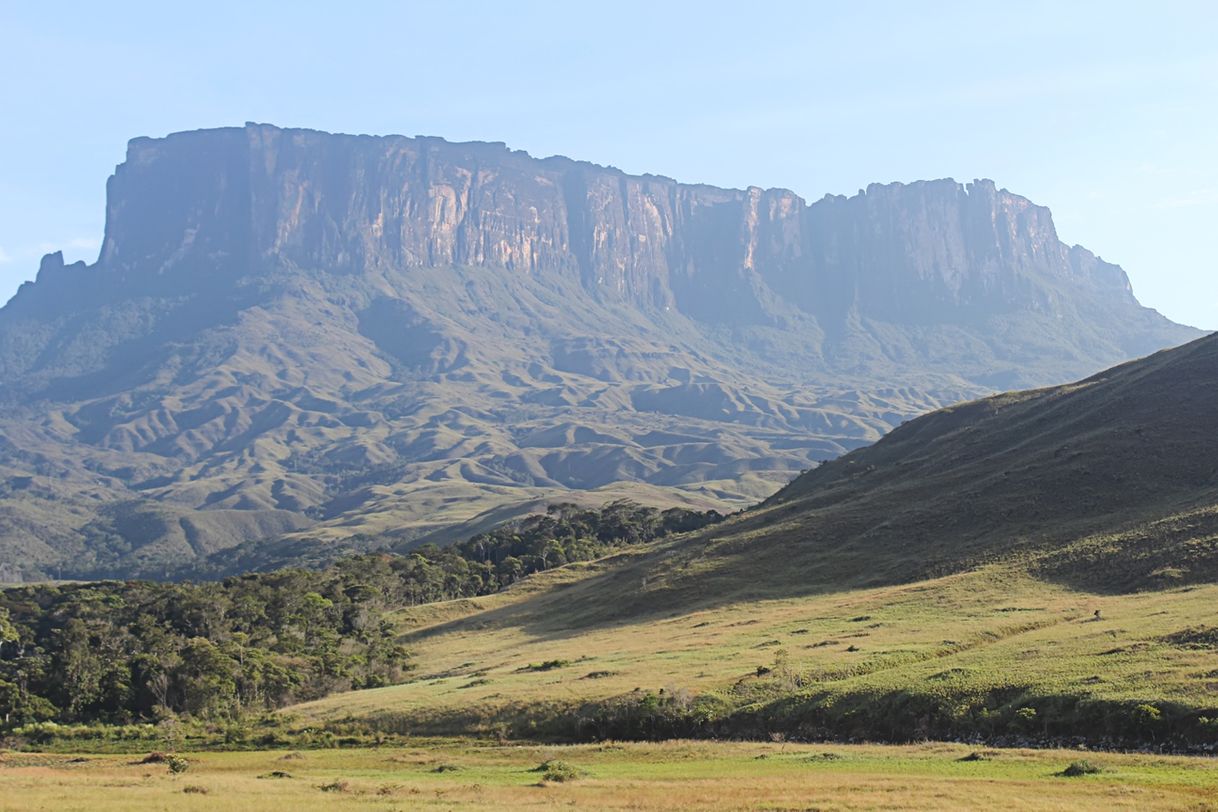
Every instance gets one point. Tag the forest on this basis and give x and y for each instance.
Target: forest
(128, 651)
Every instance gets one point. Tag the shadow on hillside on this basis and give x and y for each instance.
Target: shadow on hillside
(771, 555)
(698, 573)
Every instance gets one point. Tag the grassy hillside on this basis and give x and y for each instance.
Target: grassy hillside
(1033, 470)
(1034, 565)
(994, 639)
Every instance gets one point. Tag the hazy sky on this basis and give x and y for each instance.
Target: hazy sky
(1105, 112)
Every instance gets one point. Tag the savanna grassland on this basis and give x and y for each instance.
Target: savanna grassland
(951, 655)
(1037, 569)
(460, 774)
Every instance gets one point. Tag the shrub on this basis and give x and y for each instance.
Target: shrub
(194, 789)
(236, 733)
(177, 764)
(1025, 718)
(336, 786)
(1078, 768)
(1147, 715)
(557, 771)
(548, 665)
(826, 756)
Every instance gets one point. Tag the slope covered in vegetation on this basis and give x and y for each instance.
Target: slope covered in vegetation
(1036, 566)
(129, 651)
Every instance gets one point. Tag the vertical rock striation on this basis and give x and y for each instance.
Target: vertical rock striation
(323, 336)
(219, 201)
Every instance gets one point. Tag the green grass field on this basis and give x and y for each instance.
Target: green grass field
(551, 644)
(959, 637)
(461, 774)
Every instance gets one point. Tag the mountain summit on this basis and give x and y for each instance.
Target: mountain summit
(341, 337)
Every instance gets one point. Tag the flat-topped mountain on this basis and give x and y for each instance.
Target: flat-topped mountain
(352, 337)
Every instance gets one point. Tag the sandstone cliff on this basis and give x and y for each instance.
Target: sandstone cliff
(323, 335)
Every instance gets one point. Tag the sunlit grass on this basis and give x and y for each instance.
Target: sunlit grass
(457, 774)
(961, 635)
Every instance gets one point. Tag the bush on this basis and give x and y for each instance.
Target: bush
(1025, 719)
(548, 665)
(236, 733)
(194, 789)
(335, 786)
(557, 771)
(1078, 768)
(177, 764)
(826, 756)
(1147, 715)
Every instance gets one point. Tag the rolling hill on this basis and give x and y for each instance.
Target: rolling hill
(1032, 566)
(352, 341)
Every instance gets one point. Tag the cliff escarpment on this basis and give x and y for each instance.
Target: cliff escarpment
(355, 340)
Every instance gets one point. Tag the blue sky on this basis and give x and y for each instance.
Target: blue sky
(1105, 112)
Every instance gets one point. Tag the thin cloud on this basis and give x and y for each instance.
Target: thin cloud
(5, 256)
(83, 243)
(1199, 197)
(73, 245)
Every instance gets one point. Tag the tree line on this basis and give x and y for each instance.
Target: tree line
(126, 651)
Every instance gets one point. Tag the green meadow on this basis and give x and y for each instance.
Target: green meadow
(465, 774)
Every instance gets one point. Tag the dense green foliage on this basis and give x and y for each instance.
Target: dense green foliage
(124, 651)
(769, 710)
(121, 651)
(490, 561)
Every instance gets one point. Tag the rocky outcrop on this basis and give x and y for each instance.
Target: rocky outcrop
(289, 331)
(212, 202)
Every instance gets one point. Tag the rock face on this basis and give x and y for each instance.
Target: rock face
(323, 335)
(195, 206)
